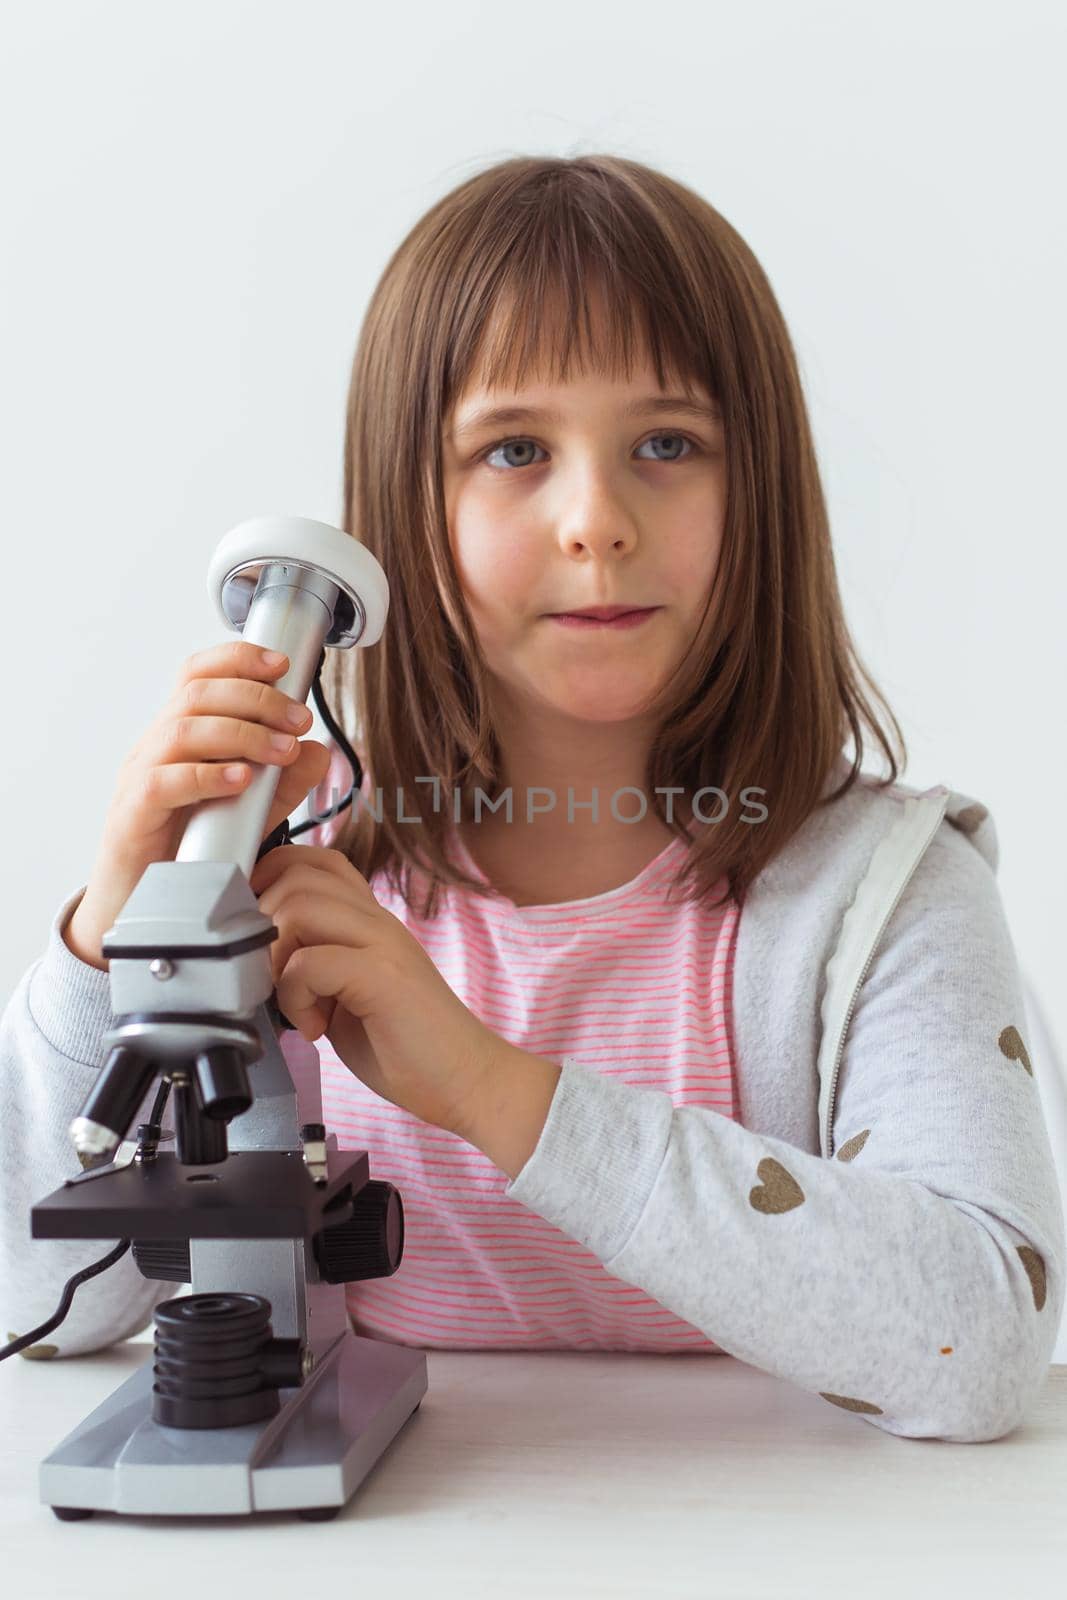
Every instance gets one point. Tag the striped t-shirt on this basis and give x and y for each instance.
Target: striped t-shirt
(627, 983)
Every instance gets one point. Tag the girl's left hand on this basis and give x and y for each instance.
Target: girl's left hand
(346, 967)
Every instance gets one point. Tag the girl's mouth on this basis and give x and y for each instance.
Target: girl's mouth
(627, 619)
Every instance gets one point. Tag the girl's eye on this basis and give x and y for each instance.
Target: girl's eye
(526, 444)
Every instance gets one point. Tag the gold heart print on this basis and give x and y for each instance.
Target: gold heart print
(34, 1352)
(846, 1404)
(1011, 1045)
(970, 818)
(852, 1147)
(1035, 1271)
(779, 1190)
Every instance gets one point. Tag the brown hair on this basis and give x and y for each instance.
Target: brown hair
(772, 687)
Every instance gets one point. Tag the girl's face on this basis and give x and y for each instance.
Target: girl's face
(615, 499)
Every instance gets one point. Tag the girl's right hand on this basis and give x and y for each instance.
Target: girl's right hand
(224, 710)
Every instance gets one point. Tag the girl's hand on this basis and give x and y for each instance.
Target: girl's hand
(346, 967)
(224, 711)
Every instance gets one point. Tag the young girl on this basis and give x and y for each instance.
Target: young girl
(675, 1030)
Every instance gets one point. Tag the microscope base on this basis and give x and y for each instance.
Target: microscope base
(325, 1439)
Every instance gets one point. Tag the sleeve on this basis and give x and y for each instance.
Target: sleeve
(51, 1051)
(916, 1278)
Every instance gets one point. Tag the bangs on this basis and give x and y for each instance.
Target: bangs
(548, 311)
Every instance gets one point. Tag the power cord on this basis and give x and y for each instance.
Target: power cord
(147, 1135)
(350, 756)
(16, 1345)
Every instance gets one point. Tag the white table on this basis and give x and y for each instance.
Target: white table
(560, 1474)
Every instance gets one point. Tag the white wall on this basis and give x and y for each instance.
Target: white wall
(198, 200)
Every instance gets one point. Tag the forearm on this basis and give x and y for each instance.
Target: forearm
(916, 1310)
(507, 1115)
(82, 942)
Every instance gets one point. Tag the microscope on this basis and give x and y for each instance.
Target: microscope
(260, 1396)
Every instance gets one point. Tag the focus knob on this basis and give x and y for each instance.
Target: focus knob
(370, 1244)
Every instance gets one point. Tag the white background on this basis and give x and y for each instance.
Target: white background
(199, 199)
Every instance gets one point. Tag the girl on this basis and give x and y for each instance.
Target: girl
(676, 1031)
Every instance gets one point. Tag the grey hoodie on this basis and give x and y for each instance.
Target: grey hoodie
(882, 1226)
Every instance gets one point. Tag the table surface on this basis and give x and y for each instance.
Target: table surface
(573, 1474)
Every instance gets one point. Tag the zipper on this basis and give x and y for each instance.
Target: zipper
(828, 1126)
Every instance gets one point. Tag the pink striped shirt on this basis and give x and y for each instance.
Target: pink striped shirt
(627, 983)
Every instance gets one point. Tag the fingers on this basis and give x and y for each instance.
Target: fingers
(224, 719)
(303, 865)
(164, 790)
(235, 658)
(183, 738)
(314, 983)
(304, 923)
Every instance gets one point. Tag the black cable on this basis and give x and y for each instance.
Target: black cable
(349, 754)
(147, 1133)
(64, 1305)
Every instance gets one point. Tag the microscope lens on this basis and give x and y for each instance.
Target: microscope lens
(113, 1099)
(223, 1090)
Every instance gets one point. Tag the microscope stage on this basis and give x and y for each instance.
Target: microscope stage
(253, 1194)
